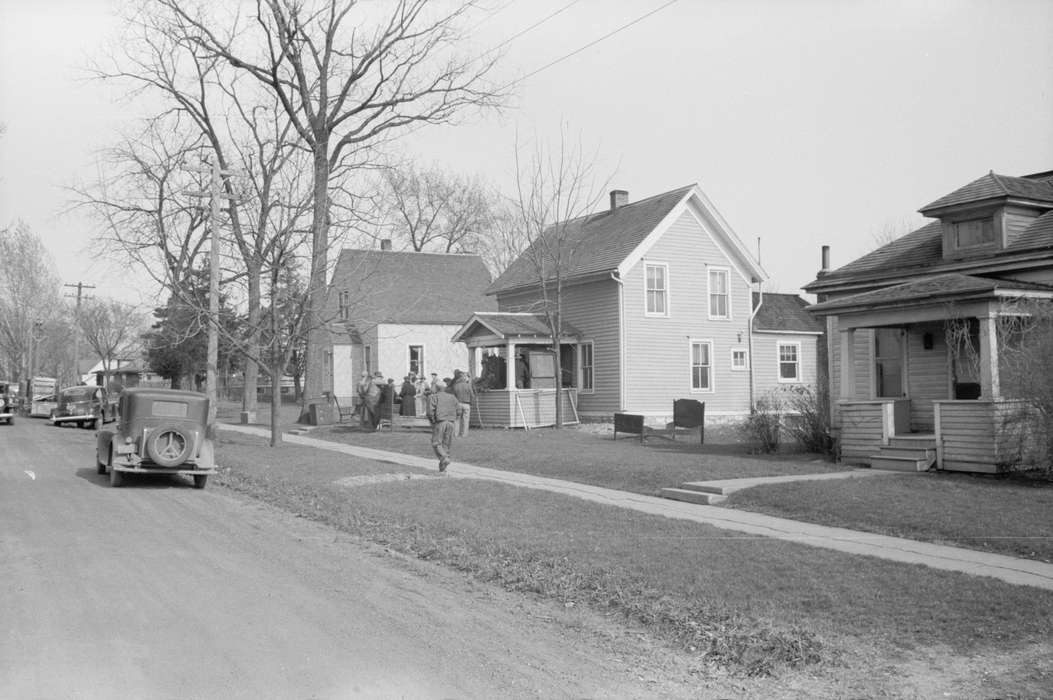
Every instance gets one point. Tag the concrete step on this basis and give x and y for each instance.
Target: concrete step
(692, 496)
(704, 487)
(899, 464)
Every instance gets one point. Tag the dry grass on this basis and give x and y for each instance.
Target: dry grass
(753, 605)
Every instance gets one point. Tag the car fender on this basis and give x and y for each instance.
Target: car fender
(102, 447)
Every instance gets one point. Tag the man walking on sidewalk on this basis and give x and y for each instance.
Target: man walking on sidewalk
(465, 394)
(442, 412)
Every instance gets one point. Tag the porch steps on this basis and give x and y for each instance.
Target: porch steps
(696, 492)
(906, 453)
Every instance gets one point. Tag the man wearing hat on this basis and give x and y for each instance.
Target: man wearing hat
(436, 386)
(464, 393)
(442, 413)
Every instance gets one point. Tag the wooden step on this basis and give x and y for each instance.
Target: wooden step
(692, 496)
(926, 453)
(913, 441)
(899, 464)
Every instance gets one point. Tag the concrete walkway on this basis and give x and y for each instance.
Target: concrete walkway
(1022, 572)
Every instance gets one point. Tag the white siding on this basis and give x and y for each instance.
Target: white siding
(391, 351)
(658, 368)
(766, 366)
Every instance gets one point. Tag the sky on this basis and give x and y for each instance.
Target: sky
(806, 122)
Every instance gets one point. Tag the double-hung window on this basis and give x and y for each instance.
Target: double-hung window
(416, 360)
(719, 300)
(586, 367)
(657, 289)
(789, 362)
(345, 305)
(701, 365)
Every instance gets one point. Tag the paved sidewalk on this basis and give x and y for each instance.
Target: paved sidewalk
(1022, 572)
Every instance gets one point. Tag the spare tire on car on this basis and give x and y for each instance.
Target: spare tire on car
(169, 445)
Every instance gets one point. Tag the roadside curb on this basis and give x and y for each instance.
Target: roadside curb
(1012, 570)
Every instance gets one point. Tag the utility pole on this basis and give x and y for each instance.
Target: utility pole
(80, 286)
(216, 194)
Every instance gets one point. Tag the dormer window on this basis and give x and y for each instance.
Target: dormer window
(969, 234)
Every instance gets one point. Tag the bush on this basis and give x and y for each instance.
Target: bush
(811, 424)
(761, 428)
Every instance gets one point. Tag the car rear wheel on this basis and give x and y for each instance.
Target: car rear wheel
(169, 446)
(200, 480)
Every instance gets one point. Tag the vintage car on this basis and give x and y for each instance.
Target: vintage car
(7, 402)
(86, 406)
(160, 431)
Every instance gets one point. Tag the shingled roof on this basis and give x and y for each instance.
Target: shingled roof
(931, 290)
(995, 186)
(921, 251)
(504, 324)
(598, 242)
(785, 313)
(410, 287)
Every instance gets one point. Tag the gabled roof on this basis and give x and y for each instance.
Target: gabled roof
(786, 313)
(995, 186)
(507, 325)
(410, 287)
(951, 286)
(600, 243)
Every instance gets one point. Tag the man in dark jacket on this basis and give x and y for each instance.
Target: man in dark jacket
(442, 413)
(465, 395)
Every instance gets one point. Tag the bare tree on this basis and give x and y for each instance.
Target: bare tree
(432, 209)
(111, 328)
(555, 191)
(348, 75)
(29, 295)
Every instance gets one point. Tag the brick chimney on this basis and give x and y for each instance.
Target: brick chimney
(385, 244)
(619, 198)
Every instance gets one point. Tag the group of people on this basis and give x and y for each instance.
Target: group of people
(447, 405)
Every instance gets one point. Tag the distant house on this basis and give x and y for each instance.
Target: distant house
(125, 373)
(913, 327)
(657, 306)
(396, 312)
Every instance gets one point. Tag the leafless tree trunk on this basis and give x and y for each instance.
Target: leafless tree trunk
(554, 190)
(28, 294)
(347, 82)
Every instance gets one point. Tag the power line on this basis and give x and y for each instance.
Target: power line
(592, 43)
(533, 26)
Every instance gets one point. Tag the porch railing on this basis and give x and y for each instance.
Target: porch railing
(985, 436)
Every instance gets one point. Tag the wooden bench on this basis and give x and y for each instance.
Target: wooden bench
(630, 423)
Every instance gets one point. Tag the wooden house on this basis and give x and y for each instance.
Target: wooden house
(657, 305)
(913, 328)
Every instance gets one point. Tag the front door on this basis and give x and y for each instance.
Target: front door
(889, 362)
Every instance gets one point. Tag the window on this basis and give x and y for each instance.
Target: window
(416, 360)
(701, 367)
(586, 367)
(345, 305)
(719, 304)
(656, 290)
(739, 359)
(973, 233)
(789, 362)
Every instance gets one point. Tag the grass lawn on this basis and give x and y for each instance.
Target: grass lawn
(751, 604)
(589, 454)
(980, 512)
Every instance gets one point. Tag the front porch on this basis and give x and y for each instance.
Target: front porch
(921, 376)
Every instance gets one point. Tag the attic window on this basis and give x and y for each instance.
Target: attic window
(969, 234)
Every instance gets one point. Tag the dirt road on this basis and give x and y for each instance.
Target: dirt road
(157, 590)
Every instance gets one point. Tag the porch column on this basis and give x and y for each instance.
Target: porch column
(989, 381)
(471, 361)
(510, 366)
(848, 364)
